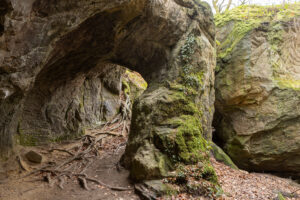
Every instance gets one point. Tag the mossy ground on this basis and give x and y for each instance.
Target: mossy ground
(197, 179)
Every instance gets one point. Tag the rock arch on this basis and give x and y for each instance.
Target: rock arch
(66, 46)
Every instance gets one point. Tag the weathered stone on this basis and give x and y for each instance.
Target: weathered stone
(58, 60)
(257, 88)
(33, 156)
(153, 189)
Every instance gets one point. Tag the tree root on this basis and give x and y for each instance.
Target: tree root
(56, 173)
(83, 183)
(108, 186)
(62, 150)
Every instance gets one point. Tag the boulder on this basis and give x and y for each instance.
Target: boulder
(258, 87)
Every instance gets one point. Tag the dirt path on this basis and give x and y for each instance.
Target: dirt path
(102, 164)
(103, 167)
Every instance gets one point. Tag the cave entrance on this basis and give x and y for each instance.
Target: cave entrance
(70, 106)
(83, 125)
(80, 102)
(80, 83)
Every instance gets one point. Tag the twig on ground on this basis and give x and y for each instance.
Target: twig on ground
(36, 171)
(108, 186)
(109, 133)
(62, 150)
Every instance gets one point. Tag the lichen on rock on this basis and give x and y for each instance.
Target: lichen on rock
(173, 118)
(257, 87)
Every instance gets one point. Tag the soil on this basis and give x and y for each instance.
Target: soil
(104, 168)
(102, 164)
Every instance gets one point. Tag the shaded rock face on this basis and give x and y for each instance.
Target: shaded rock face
(258, 96)
(60, 72)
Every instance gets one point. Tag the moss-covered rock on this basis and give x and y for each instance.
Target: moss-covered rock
(221, 156)
(171, 122)
(245, 18)
(133, 84)
(257, 87)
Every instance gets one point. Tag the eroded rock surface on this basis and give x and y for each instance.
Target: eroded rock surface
(258, 88)
(59, 75)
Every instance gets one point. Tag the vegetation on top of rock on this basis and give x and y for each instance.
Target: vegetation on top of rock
(248, 17)
(251, 13)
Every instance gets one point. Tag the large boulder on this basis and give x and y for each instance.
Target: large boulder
(59, 67)
(258, 87)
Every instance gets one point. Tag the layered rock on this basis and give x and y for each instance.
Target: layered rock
(258, 87)
(59, 74)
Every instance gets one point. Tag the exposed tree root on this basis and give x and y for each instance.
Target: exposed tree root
(80, 156)
(62, 150)
(110, 187)
(83, 183)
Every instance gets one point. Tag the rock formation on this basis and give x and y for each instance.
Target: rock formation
(258, 87)
(60, 73)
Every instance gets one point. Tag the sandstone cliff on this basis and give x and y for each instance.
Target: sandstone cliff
(258, 87)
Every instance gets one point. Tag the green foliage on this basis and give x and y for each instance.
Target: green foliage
(188, 49)
(190, 78)
(280, 196)
(209, 174)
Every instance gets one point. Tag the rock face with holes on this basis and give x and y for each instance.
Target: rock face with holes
(258, 89)
(60, 72)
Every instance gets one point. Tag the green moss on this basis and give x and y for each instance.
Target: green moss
(27, 140)
(239, 31)
(175, 104)
(126, 87)
(288, 83)
(169, 190)
(182, 88)
(133, 84)
(189, 142)
(197, 179)
(66, 137)
(209, 174)
(136, 79)
(258, 13)
(246, 18)
(275, 38)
